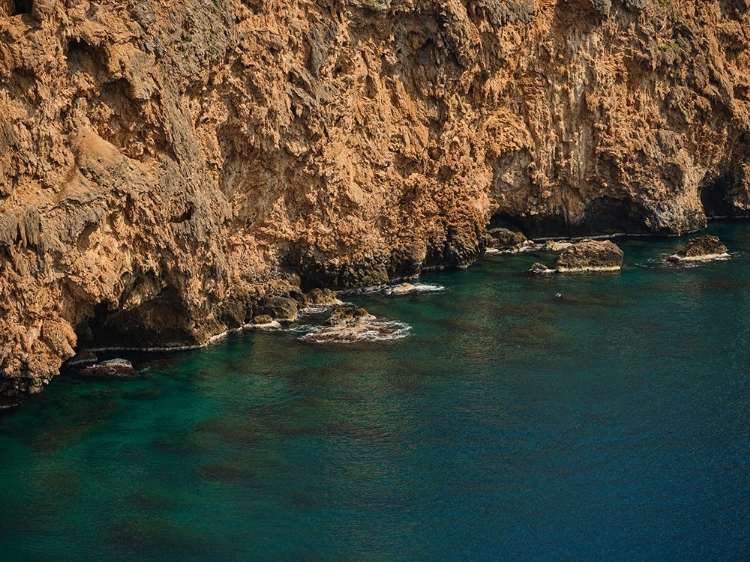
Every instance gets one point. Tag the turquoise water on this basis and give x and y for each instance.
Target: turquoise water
(611, 423)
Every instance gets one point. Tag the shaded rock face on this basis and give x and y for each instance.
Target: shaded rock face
(590, 255)
(166, 165)
(322, 297)
(278, 308)
(702, 247)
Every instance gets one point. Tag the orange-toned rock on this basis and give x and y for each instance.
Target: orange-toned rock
(164, 165)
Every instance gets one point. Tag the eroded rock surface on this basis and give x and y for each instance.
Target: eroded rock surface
(587, 255)
(702, 248)
(166, 165)
(590, 255)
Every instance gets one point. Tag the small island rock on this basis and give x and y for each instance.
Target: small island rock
(587, 255)
(110, 368)
(702, 248)
(590, 255)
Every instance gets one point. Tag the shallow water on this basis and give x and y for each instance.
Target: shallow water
(610, 423)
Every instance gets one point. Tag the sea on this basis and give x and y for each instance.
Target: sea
(506, 417)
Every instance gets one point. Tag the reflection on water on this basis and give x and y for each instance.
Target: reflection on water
(524, 418)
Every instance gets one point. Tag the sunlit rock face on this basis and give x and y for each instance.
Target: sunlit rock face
(166, 165)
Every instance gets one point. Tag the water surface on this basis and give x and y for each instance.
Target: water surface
(609, 423)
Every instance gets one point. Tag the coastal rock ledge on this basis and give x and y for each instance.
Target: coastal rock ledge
(170, 168)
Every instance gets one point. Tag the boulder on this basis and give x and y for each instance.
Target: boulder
(347, 315)
(590, 255)
(703, 248)
(278, 308)
(505, 238)
(587, 255)
(322, 297)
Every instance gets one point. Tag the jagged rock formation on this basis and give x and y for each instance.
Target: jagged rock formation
(584, 256)
(590, 255)
(165, 165)
(702, 248)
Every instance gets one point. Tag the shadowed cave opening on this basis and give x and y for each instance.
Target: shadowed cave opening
(18, 7)
(605, 215)
(160, 322)
(716, 194)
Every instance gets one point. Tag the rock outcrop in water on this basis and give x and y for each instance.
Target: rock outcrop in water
(350, 324)
(702, 248)
(590, 255)
(108, 369)
(164, 166)
(587, 255)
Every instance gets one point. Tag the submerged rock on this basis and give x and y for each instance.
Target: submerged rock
(703, 248)
(110, 368)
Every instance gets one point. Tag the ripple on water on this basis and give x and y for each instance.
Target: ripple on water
(609, 423)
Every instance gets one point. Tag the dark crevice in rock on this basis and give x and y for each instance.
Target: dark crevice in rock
(80, 56)
(160, 322)
(18, 7)
(713, 197)
(605, 215)
(533, 226)
(716, 194)
(186, 215)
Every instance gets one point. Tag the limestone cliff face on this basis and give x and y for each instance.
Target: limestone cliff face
(164, 164)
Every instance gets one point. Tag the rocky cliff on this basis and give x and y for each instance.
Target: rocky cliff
(164, 165)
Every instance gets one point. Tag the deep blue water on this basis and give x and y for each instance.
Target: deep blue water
(612, 423)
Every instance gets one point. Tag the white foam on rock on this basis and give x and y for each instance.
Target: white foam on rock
(676, 258)
(412, 288)
(370, 331)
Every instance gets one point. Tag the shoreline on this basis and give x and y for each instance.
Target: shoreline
(373, 289)
(362, 291)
